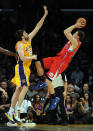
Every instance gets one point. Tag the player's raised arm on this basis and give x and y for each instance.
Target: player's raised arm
(7, 52)
(80, 23)
(69, 36)
(39, 24)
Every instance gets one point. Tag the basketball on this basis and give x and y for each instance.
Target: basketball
(82, 21)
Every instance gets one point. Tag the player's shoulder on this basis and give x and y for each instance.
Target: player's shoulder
(18, 43)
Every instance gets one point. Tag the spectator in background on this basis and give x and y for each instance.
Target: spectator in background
(69, 108)
(85, 89)
(72, 93)
(88, 101)
(4, 106)
(82, 111)
(3, 84)
(68, 104)
(6, 87)
(84, 105)
(29, 116)
(38, 109)
(92, 107)
(2, 91)
(77, 77)
(2, 73)
(90, 77)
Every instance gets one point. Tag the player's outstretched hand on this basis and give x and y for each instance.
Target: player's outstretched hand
(45, 9)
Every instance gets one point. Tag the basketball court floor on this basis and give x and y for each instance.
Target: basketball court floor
(45, 127)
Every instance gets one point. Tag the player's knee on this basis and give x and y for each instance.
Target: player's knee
(40, 73)
(12, 84)
(18, 90)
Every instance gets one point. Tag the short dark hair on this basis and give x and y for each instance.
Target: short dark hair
(19, 35)
(81, 35)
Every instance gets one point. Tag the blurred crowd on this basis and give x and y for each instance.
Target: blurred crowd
(76, 107)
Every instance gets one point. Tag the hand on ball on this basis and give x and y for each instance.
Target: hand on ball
(81, 22)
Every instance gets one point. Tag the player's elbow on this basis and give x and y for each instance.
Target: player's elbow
(65, 32)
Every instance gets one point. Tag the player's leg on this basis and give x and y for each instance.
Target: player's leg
(54, 100)
(24, 80)
(50, 86)
(57, 67)
(20, 79)
(13, 103)
(51, 75)
(16, 81)
(40, 66)
(45, 63)
(16, 96)
(20, 100)
(40, 71)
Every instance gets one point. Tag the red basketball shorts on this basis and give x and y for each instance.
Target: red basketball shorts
(55, 65)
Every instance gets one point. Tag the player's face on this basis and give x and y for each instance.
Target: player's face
(75, 35)
(25, 35)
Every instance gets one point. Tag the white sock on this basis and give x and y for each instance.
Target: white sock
(11, 110)
(18, 108)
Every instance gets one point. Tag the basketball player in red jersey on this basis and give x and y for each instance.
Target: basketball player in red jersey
(59, 63)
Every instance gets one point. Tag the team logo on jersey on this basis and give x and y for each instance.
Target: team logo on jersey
(51, 74)
(27, 48)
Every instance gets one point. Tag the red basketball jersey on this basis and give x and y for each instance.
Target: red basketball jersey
(66, 53)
